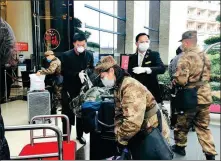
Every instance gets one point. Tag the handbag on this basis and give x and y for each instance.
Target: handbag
(151, 145)
(187, 97)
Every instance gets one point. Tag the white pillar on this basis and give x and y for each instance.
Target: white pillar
(172, 25)
(20, 18)
(136, 12)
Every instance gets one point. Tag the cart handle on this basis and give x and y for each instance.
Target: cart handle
(56, 123)
(37, 127)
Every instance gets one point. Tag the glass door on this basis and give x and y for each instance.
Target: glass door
(52, 26)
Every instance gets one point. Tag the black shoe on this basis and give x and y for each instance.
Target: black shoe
(172, 127)
(193, 128)
(210, 157)
(179, 150)
(81, 140)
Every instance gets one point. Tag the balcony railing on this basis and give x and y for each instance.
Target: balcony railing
(204, 5)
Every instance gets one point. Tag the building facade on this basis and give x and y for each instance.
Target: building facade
(201, 16)
(111, 26)
(177, 17)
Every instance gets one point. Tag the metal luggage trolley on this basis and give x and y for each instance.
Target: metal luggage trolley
(59, 152)
(68, 150)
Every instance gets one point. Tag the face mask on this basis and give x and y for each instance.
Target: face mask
(143, 46)
(107, 82)
(48, 60)
(80, 49)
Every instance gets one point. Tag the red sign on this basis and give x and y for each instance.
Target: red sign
(21, 46)
(124, 61)
(52, 39)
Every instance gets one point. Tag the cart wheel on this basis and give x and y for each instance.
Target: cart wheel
(49, 121)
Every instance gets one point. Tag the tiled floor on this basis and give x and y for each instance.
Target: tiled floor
(15, 113)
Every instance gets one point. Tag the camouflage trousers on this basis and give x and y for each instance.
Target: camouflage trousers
(57, 92)
(201, 119)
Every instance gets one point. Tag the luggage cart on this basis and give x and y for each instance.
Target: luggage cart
(58, 153)
(68, 147)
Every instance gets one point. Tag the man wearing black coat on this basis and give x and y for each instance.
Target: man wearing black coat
(73, 64)
(145, 65)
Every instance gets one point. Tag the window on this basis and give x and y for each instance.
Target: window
(93, 19)
(198, 13)
(105, 23)
(93, 44)
(199, 26)
(106, 43)
(107, 6)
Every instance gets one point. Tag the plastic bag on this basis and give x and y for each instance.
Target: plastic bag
(37, 82)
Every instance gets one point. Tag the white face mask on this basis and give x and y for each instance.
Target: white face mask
(107, 83)
(80, 49)
(143, 46)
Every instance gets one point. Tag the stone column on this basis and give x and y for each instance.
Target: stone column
(171, 27)
(136, 18)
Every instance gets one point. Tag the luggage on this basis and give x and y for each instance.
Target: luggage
(150, 145)
(102, 140)
(39, 103)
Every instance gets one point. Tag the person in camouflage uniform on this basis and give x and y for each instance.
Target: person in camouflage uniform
(188, 73)
(55, 70)
(132, 99)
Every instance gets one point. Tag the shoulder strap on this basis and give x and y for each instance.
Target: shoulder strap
(201, 75)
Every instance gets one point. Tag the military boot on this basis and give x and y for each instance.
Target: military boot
(179, 150)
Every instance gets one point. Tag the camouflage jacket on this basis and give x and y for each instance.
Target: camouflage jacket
(189, 69)
(54, 68)
(132, 100)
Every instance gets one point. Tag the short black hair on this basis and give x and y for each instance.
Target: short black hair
(79, 37)
(141, 34)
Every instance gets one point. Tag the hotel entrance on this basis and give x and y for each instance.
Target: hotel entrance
(52, 23)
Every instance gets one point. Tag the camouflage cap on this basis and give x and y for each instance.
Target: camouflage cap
(104, 64)
(47, 53)
(189, 35)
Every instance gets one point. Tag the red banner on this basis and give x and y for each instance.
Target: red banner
(124, 61)
(22, 46)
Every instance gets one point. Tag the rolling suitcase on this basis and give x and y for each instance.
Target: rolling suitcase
(102, 140)
(39, 103)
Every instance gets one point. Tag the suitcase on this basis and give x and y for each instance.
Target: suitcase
(39, 103)
(102, 141)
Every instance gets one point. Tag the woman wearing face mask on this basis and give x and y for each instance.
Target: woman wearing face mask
(136, 113)
(53, 71)
(145, 65)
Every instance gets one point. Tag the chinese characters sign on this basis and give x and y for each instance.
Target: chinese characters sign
(21, 46)
(124, 61)
(52, 39)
